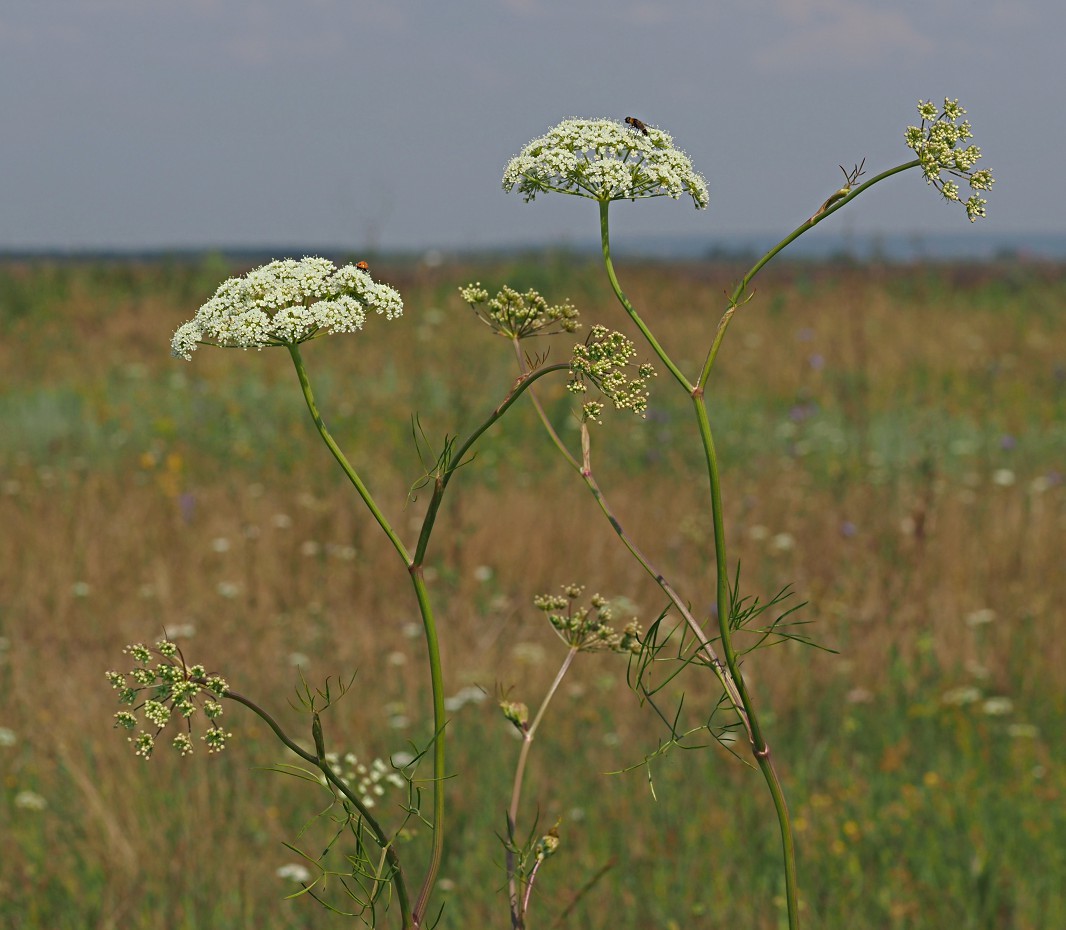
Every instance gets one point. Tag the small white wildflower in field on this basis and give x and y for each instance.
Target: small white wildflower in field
(958, 697)
(30, 801)
(181, 631)
(1040, 484)
(220, 544)
(367, 781)
(998, 706)
(402, 759)
(285, 303)
(294, 872)
(7, 737)
(783, 542)
(1003, 477)
(464, 696)
(982, 617)
(80, 589)
(228, 589)
(604, 160)
(1022, 731)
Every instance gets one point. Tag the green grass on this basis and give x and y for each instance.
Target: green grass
(893, 447)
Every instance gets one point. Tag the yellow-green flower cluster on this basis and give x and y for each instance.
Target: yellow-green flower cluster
(517, 316)
(285, 303)
(168, 687)
(602, 360)
(604, 160)
(587, 628)
(938, 142)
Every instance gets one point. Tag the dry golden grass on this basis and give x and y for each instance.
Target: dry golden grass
(930, 539)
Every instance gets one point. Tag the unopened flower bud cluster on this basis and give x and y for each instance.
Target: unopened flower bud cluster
(546, 845)
(587, 628)
(516, 315)
(602, 360)
(517, 713)
(161, 687)
(938, 144)
(285, 303)
(605, 160)
(368, 782)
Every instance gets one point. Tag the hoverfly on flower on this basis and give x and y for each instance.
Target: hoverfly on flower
(636, 124)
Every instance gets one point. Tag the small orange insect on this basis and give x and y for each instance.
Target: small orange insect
(636, 124)
(362, 266)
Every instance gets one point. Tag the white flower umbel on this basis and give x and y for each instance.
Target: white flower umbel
(938, 145)
(604, 160)
(285, 303)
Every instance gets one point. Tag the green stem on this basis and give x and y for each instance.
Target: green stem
(760, 749)
(605, 242)
(416, 916)
(739, 291)
(584, 469)
(455, 459)
(738, 693)
(320, 763)
(353, 477)
(439, 722)
(518, 911)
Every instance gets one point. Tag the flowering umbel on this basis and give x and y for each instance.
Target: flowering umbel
(583, 628)
(285, 303)
(161, 686)
(602, 360)
(605, 160)
(518, 316)
(938, 144)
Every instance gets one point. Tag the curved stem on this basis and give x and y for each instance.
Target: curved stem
(518, 911)
(436, 675)
(584, 469)
(739, 291)
(731, 676)
(556, 439)
(327, 438)
(320, 763)
(456, 456)
(527, 739)
(415, 917)
(760, 750)
(605, 242)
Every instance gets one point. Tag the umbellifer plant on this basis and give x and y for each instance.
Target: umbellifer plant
(287, 303)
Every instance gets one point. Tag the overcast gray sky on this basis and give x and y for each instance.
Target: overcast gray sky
(387, 123)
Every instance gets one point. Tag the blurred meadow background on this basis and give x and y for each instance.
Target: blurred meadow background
(893, 441)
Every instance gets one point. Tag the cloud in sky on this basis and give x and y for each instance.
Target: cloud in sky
(388, 122)
(841, 35)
